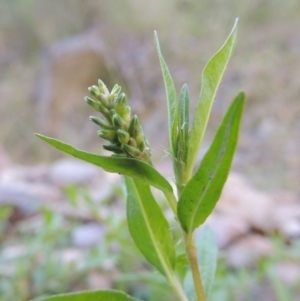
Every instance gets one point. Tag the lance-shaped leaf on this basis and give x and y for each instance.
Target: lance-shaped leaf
(204, 189)
(149, 227)
(171, 96)
(90, 296)
(126, 166)
(183, 125)
(211, 78)
(207, 255)
(182, 144)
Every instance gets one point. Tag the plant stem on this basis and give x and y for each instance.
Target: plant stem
(182, 177)
(178, 289)
(171, 200)
(192, 256)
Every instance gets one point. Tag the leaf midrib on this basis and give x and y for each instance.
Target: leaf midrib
(156, 247)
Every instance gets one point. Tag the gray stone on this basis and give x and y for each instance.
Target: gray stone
(290, 228)
(98, 281)
(288, 272)
(246, 251)
(68, 68)
(70, 256)
(88, 235)
(66, 172)
(227, 228)
(16, 173)
(28, 197)
(255, 207)
(287, 216)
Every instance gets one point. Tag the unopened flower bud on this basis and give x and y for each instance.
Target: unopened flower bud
(93, 103)
(102, 122)
(97, 106)
(120, 106)
(146, 155)
(135, 130)
(117, 120)
(124, 133)
(132, 142)
(116, 90)
(134, 126)
(109, 135)
(142, 146)
(102, 87)
(111, 101)
(131, 151)
(94, 91)
(114, 148)
(126, 115)
(104, 99)
(123, 136)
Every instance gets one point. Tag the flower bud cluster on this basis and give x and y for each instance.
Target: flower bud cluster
(124, 133)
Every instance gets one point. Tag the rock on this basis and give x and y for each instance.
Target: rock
(71, 256)
(11, 253)
(28, 197)
(227, 228)
(247, 250)
(290, 228)
(9, 256)
(287, 271)
(287, 216)
(98, 281)
(14, 174)
(66, 172)
(69, 67)
(255, 207)
(264, 290)
(88, 235)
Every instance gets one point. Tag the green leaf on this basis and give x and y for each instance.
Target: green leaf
(148, 226)
(211, 78)
(207, 254)
(127, 166)
(182, 264)
(90, 296)
(183, 124)
(204, 189)
(184, 106)
(171, 97)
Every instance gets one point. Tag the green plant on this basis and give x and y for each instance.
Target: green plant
(29, 260)
(190, 273)
(263, 279)
(39, 258)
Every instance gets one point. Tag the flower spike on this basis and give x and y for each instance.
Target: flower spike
(123, 132)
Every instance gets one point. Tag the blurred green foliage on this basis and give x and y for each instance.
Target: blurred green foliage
(33, 261)
(259, 282)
